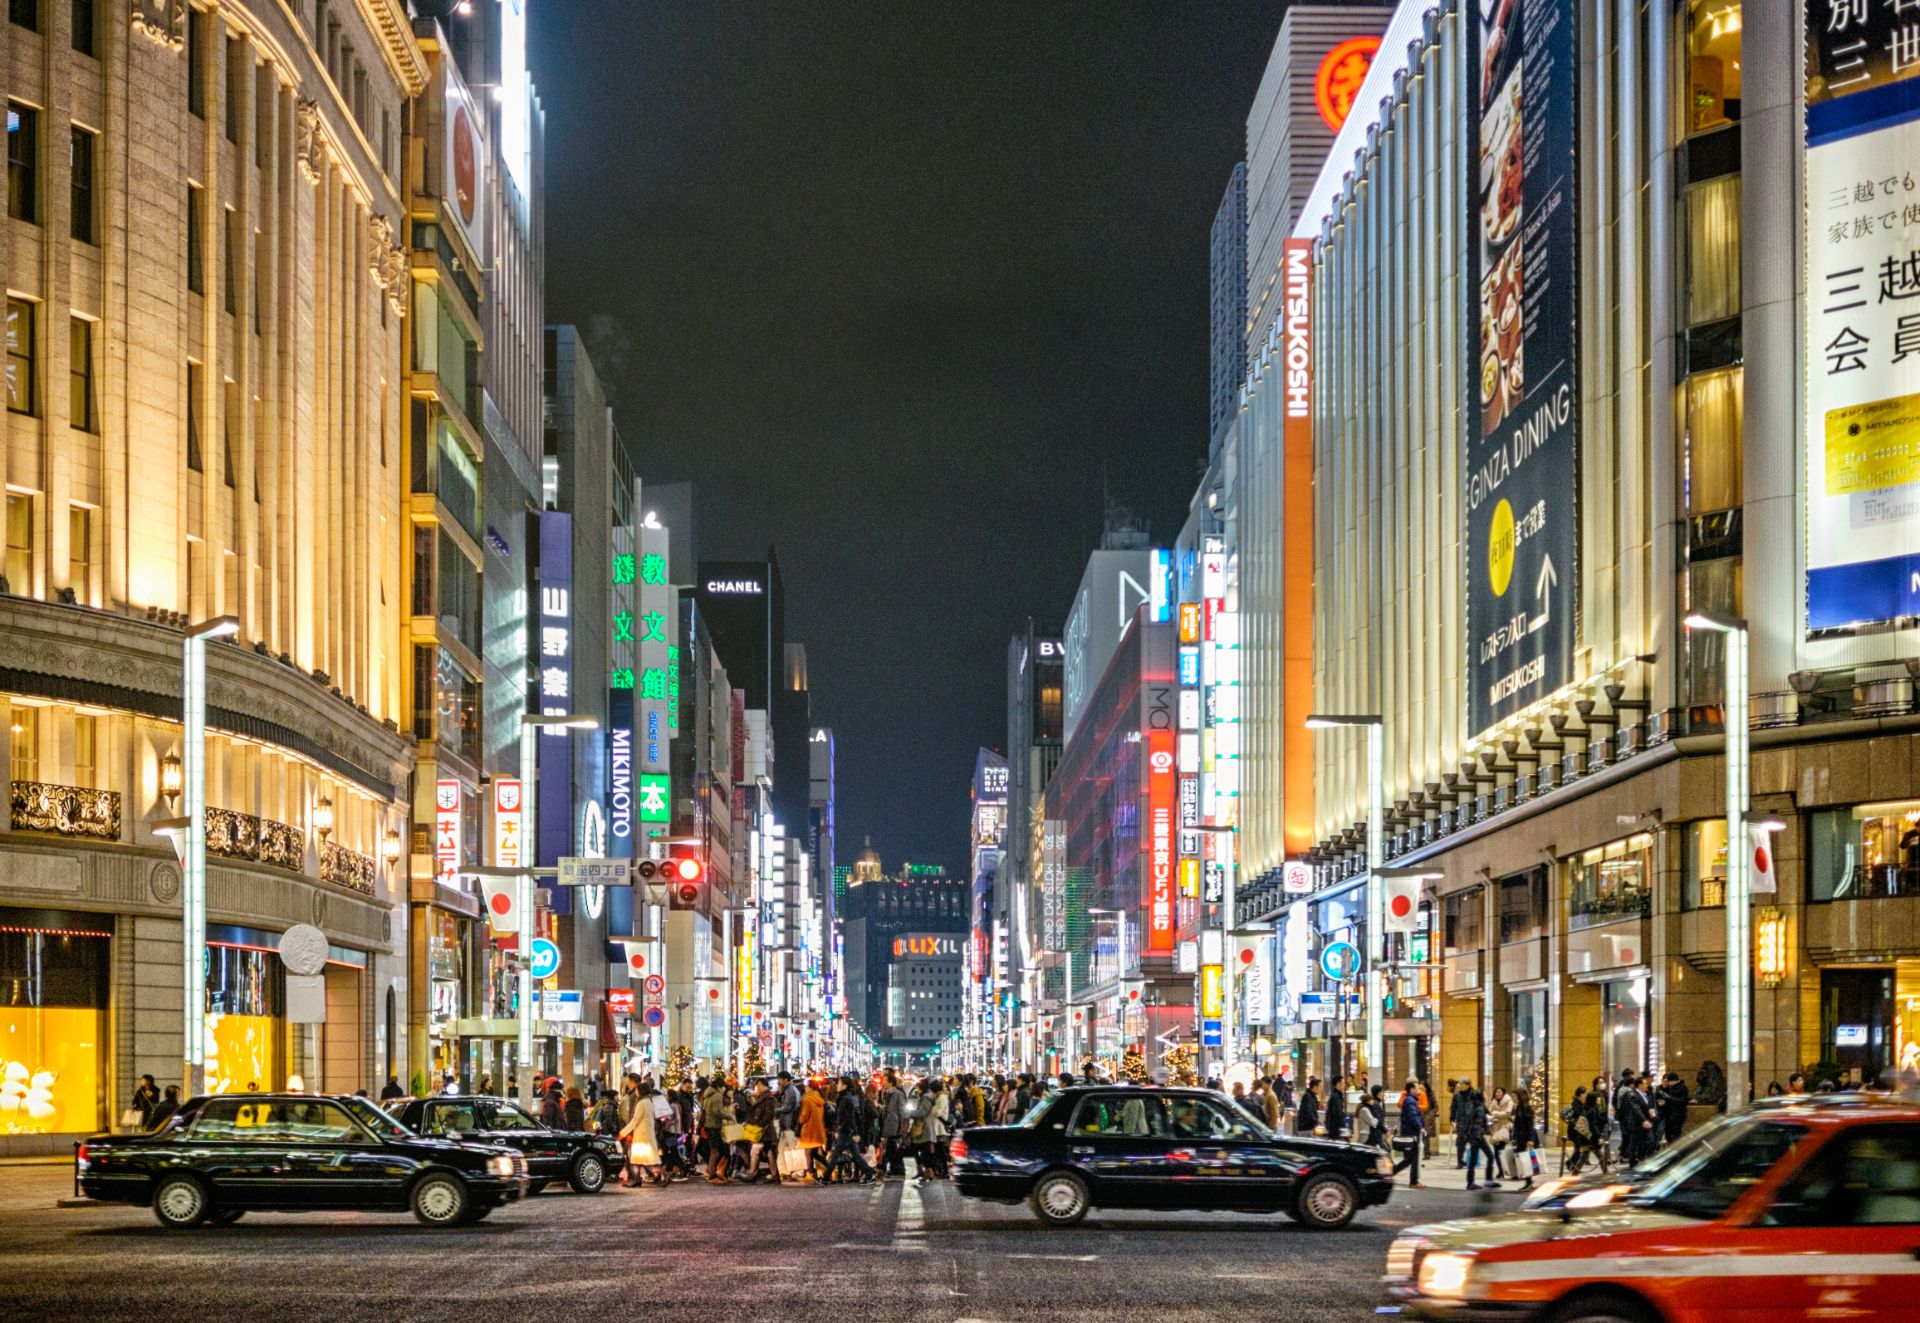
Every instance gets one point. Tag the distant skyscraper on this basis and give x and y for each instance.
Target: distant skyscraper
(1227, 302)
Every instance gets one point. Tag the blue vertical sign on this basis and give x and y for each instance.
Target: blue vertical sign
(553, 691)
(620, 820)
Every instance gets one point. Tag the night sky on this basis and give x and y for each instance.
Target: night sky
(900, 286)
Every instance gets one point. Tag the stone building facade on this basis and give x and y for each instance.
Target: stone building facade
(205, 292)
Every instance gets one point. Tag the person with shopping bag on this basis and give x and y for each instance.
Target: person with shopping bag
(643, 1149)
(761, 1132)
(937, 1120)
(1526, 1140)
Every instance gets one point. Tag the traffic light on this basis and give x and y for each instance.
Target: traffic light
(684, 874)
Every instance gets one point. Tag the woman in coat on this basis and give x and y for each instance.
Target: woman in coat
(1526, 1136)
(813, 1129)
(716, 1113)
(1471, 1108)
(574, 1112)
(1500, 1129)
(937, 1116)
(643, 1147)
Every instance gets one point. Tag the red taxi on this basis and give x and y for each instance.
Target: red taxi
(1804, 1210)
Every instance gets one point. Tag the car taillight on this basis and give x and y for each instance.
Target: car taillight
(80, 1155)
(958, 1148)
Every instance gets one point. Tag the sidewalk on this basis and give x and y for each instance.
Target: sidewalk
(1440, 1173)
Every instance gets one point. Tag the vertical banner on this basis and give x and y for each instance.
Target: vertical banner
(446, 829)
(1862, 237)
(1522, 447)
(655, 634)
(1161, 854)
(507, 824)
(1296, 557)
(1053, 884)
(553, 680)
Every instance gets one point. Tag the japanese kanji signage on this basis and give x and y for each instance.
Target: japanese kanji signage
(507, 826)
(553, 688)
(1053, 884)
(446, 829)
(653, 799)
(1862, 312)
(657, 685)
(1522, 451)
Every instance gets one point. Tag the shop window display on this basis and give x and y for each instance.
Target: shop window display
(1865, 852)
(53, 1024)
(1612, 882)
(246, 1007)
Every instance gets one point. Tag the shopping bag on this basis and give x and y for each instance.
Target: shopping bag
(133, 1119)
(793, 1158)
(733, 1132)
(1533, 1157)
(753, 1134)
(642, 1154)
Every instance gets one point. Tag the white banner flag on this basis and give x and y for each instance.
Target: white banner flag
(503, 903)
(1401, 904)
(1760, 840)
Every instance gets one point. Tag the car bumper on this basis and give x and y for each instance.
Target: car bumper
(1002, 1187)
(1375, 1190)
(1411, 1304)
(497, 1189)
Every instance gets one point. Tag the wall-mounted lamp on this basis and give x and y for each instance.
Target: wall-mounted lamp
(390, 847)
(171, 778)
(323, 817)
(1770, 953)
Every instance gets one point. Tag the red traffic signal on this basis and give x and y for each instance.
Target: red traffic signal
(684, 874)
(685, 870)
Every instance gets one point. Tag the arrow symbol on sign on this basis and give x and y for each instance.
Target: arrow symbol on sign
(1541, 587)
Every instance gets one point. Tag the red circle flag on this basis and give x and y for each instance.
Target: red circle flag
(1246, 955)
(1760, 860)
(501, 903)
(636, 961)
(1401, 906)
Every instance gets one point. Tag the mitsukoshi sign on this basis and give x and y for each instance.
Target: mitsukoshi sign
(1522, 451)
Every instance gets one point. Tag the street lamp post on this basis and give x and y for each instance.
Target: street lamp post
(1376, 813)
(1739, 879)
(531, 722)
(193, 851)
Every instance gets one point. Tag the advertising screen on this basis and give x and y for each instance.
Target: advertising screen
(1522, 447)
(1862, 313)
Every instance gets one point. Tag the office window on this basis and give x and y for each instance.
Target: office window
(1713, 439)
(229, 431)
(86, 738)
(196, 259)
(195, 460)
(1712, 54)
(197, 24)
(24, 14)
(80, 374)
(23, 176)
(80, 153)
(1712, 585)
(236, 71)
(20, 545)
(80, 552)
(229, 256)
(21, 365)
(84, 38)
(26, 738)
(1713, 250)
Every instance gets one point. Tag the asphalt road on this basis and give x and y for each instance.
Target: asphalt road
(894, 1252)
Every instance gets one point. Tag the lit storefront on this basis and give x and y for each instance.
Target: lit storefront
(53, 1021)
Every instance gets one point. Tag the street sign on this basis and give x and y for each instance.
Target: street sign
(1210, 1033)
(655, 985)
(1340, 961)
(546, 958)
(654, 1016)
(620, 1001)
(560, 1004)
(578, 871)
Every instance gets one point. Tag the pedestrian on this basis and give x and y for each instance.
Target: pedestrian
(1525, 1137)
(1370, 1118)
(1500, 1130)
(553, 1114)
(763, 1133)
(1423, 1097)
(1576, 1118)
(146, 1097)
(1634, 1111)
(391, 1089)
(1599, 1106)
(486, 1085)
(893, 1127)
(1306, 1119)
(1796, 1083)
(641, 1141)
(937, 1122)
(1673, 1101)
(1270, 1105)
(1413, 1126)
(164, 1109)
(813, 1130)
(1471, 1108)
(786, 1110)
(574, 1111)
(715, 1116)
(850, 1128)
(1335, 1117)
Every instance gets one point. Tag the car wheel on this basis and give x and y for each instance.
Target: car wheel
(226, 1217)
(1602, 1308)
(1327, 1201)
(1060, 1198)
(440, 1200)
(180, 1202)
(589, 1174)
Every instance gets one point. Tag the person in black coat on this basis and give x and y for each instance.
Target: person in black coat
(1336, 1117)
(1526, 1136)
(1672, 1106)
(1473, 1135)
(1307, 1118)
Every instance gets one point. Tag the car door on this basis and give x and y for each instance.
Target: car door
(1848, 1221)
(330, 1159)
(1220, 1152)
(1119, 1140)
(230, 1146)
(504, 1123)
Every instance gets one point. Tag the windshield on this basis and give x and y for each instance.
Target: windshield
(1037, 1111)
(1710, 1177)
(370, 1115)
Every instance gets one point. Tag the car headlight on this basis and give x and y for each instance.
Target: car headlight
(1383, 1165)
(1401, 1254)
(501, 1166)
(1444, 1274)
